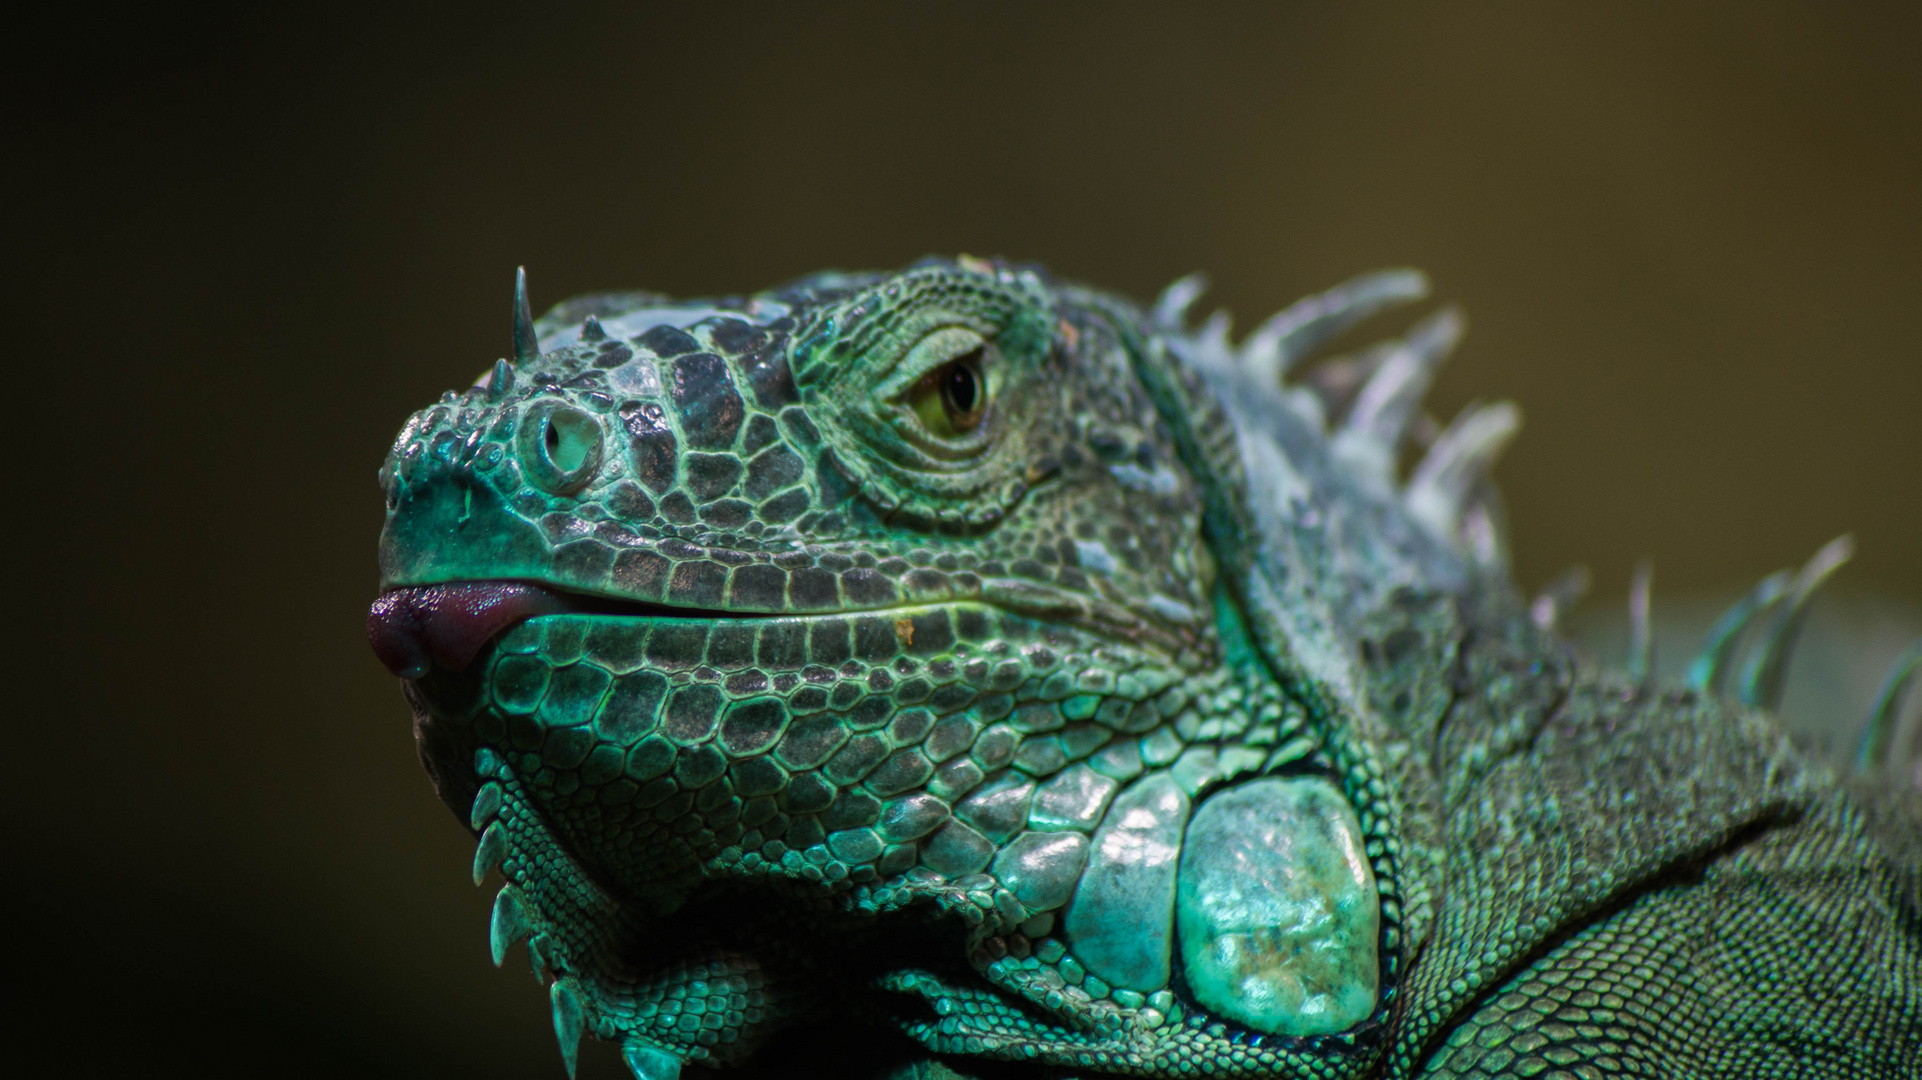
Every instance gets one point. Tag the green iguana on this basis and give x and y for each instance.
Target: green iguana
(963, 655)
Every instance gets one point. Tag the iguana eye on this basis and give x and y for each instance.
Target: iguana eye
(962, 392)
(952, 398)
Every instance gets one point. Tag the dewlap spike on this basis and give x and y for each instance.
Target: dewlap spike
(511, 922)
(569, 1020)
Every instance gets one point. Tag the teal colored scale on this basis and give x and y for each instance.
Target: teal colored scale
(1277, 909)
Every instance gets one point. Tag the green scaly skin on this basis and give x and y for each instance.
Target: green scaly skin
(839, 696)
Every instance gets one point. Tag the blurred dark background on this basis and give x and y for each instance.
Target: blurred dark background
(245, 242)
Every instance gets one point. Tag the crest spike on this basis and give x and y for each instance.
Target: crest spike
(1171, 307)
(1763, 677)
(1439, 493)
(1483, 532)
(1878, 738)
(1211, 340)
(1338, 380)
(526, 346)
(1710, 668)
(1388, 399)
(1308, 323)
(1641, 629)
(1558, 597)
(591, 330)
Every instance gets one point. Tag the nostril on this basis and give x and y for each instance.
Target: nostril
(560, 447)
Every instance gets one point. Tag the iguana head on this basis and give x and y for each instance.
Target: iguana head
(863, 642)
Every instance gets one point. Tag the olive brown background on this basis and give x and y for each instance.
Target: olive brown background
(246, 243)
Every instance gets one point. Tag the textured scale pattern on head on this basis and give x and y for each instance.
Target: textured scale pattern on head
(974, 656)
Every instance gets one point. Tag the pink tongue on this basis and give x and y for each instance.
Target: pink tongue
(412, 630)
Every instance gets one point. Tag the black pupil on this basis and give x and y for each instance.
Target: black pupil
(960, 388)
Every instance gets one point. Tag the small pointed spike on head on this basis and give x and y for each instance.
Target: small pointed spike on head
(1878, 738)
(500, 380)
(1559, 597)
(512, 922)
(591, 330)
(490, 852)
(569, 1019)
(1710, 668)
(1767, 669)
(650, 1062)
(526, 346)
(1171, 308)
(1641, 630)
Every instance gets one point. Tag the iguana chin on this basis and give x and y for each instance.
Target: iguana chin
(965, 654)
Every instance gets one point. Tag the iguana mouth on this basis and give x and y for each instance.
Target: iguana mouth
(416, 628)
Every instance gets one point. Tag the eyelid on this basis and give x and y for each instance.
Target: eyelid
(933, 350)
